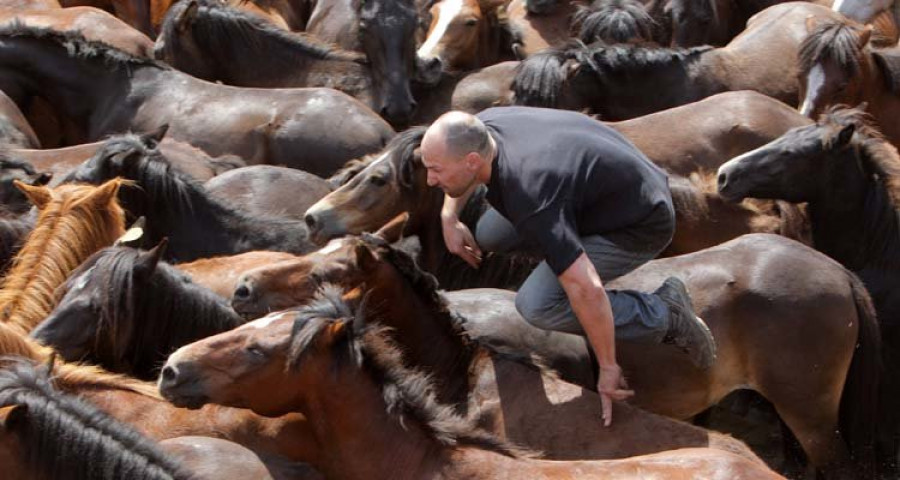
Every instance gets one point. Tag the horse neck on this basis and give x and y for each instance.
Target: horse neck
(359, 429)
(882, 103)
(427, 334)
(425, 222)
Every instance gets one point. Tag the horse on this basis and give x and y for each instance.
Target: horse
(316, 130)
(12, 199)
(615, 81)
(737, 285)
(614, 21)
(74, 221)
(210, 458)
(280, 442)
(838, 67)
(220, 274)
(14, 128)
(59, 162)
(332, 349)
(267, 190)
(215, 42)
(196, 224)
(848, 174)
(44, 434)
(496, 388)
(126, 311)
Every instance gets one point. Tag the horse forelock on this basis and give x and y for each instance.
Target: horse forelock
(68, 438)
(67, 233)
(616, 21)
(407, 393)
(832, 41)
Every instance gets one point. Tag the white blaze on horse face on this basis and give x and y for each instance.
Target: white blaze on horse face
(447, 11)
(267, 320)
(332, 246)
(815, 82)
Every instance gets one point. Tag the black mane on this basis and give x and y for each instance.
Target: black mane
(224, 29)
(407, 393)
(78, 46)
(168, 312)
(835, 42)
(613, 21)
(66, 438)
(541, 77)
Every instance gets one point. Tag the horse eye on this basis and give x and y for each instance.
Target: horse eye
(363, 25)
(255, 351)
(471, 22)
(378, 181)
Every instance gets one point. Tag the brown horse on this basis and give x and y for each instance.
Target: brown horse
(751, 291)
(74, 221)
(849, 176)
(509, 396)
(838, 67)
(316, 130)
(622, 82)
(215, 42)
(407, 433)
(278, 441)
(268, 190)
(214, 458)
(220, 274)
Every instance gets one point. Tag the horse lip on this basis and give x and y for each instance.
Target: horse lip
(190, 402)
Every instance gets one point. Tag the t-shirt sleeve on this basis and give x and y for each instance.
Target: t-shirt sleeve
(554, 231)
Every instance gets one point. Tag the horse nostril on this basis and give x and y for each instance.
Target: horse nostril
(169, 374)
(311, 221)
(242, 292)
(722, 180)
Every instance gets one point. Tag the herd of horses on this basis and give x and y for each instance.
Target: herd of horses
(221, 259)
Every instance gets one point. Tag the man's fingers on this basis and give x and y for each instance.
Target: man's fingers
(470, 258)
(618, 394)
(606, 404)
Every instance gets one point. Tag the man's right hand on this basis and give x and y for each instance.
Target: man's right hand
(460, 241)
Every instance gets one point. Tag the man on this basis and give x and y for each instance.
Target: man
(592, 204)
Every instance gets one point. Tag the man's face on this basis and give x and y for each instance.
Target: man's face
(452, 175)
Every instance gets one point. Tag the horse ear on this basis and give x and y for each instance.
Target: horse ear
(186, 16)
(393, 231)
(152, 139)
(133, 234)
(12, 416)
(39, 195)
(365, 258)
(845, 135)
(42, 178)
(105, 193)
(147, 261)
(865, 36)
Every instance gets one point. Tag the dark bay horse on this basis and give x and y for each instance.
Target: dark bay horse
(838, 66)
(74, 221)
(14, 128)
(281, 442)
(215, 42)
(196, 224)
(268, 190)
(616, 81)
(111, 91)
(12, 200)
(508, 394)
(849, 175)
(126, 311)
(407, 434)
(750, 291)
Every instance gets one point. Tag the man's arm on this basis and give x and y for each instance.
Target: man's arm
(591, 305)
(457, 235)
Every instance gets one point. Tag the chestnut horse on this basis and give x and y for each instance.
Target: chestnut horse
(316, 130)
(838, 67)
(124, 310)
(849, 175)
(616, 81)
(74, 221)
(220, 274)
(326, 348)
(196, 224)
(750, 291)
(280, 442)
(510, 397)
(215, 42)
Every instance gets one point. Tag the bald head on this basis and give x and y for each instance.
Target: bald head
(459, 133)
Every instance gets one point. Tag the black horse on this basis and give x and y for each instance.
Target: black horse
(850, 176)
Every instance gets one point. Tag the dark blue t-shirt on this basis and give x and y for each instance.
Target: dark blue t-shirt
(560, 175)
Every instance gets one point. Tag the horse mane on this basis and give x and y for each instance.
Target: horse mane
(13, 343)
(407, 393)
(222, 28)
(613, 21)
(400, 150)
(77, 46)
(833, 41)
(66, 233)
(68, 438)
(882, 224)
(540, 78)
(350, 170)
(169, 312)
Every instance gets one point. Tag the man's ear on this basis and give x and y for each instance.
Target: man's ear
(473, 161)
